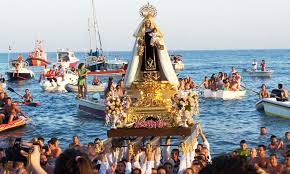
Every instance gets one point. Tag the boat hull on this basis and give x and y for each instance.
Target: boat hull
(53, 87)
(178, 66)
(94, 108)
(225, 95)
(13, 125)
(272, 107)
(258, 73)
(20, 76)
(90, 88)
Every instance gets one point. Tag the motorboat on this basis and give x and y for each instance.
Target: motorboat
(23, 72)
(69, 78)
(66, 58)
(38, 56)
(107, 67)
(93, 105)
(90, 88)
(224, 94)
(272, 107)
(258, 73)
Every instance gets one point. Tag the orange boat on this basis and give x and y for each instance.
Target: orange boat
(38, 57)
(21, 121)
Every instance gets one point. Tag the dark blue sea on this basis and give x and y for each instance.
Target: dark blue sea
(225, 123)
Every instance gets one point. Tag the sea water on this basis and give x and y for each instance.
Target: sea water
(224, 123)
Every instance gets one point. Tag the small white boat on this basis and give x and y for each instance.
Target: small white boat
(66, 58)
(222, 94)
(178, 66)
(272, 107)
(90, 88)
(23, 74)
(69, 78)
(258, 73)
(94, 106)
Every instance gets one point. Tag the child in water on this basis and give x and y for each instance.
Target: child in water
(27, 96)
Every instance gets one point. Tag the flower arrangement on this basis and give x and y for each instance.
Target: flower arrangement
(150, 124)
(116, 110)
(187, 106)
(113, 111)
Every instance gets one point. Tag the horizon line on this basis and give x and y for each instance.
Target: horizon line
(186, 50)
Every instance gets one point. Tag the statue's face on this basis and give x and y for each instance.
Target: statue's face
(147, 23)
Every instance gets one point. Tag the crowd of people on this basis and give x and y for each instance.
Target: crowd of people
(223, 81)
(52, 73)
(276, 161)
(120, 157)
(9, 110)
(96, 157)
(186, 83)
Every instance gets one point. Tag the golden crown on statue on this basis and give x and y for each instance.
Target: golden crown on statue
(148, 10)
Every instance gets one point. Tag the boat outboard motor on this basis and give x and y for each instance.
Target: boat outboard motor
(277, 93)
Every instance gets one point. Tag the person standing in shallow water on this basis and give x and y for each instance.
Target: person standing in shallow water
(82, 82)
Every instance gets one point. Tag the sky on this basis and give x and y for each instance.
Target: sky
(186, 24)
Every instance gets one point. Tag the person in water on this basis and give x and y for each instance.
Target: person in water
(27, 96)
(96, 81)
(82, 82)
(264, 93)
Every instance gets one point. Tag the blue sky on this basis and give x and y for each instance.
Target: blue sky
(186, 24)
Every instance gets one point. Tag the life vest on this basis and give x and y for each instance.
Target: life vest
(50, 74)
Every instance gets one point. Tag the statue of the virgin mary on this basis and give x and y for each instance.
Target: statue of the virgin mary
(150, 61)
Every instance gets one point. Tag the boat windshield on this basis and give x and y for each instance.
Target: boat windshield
(114, 66)
(63, 57)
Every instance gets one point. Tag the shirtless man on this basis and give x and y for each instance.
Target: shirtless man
(75, 144)
(284, 93)
(205, 83)
(286, 168)
(261, 160)
(10, 111)
(27, 96)
(273, 166)
(264, 93)
(53, 149)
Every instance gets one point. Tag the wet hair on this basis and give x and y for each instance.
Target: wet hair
(273, 154)
(263, 146)
(40, 139)
(273, 136)
(262, 127)
(280, 85)
(53, 141)
(243, 142)
(73, 161)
